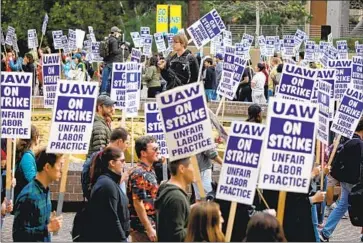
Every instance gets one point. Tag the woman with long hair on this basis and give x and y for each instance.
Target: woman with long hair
(254, 113)
(264, 227)
(107, 208)
(152, 78)
(258, 83)
(26, 167)
(205, 223)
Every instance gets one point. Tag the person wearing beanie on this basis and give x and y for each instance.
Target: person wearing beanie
(254, 113)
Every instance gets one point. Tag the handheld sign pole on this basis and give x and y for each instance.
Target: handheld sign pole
(198, 178)
(322, 173)
(336, 143)
(132, 142)
(8, 168)
(41, 41)
(220, 105)
(317, 153)
(201, 68)
(232, 215)
(262, 198)
(281, 207)
(62, 188)
(13, 167)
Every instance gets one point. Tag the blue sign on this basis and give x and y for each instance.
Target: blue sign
(154, 126)
(73, 116)
(297, 82)
(239, 173)
(16, 103)
(349, 113)
(185, 120)
(289, 147)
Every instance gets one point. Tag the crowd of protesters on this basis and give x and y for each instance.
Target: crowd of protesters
(135, 204)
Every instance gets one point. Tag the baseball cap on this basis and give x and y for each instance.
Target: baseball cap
(115, 29)
(78, 56)
(219, 56)
(105, 100)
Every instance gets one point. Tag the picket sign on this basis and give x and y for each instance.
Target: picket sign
(9, 145)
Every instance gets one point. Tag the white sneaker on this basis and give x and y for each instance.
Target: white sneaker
(346, 215)
(329, 209)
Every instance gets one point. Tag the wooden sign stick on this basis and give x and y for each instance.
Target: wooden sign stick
(336, 143)
(198, 179)
(8, 168)
(232, 215)
(132, 142)
(281, 207)
(62, 188)
(220, 105)
(13, 168)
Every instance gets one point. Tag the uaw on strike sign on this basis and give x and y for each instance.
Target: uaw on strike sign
(73, 116)
(16, 103)
(187, 127)
(289, 146)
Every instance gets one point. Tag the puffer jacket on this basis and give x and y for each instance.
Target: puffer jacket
(101, 134)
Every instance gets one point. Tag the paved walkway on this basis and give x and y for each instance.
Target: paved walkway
(345, 232)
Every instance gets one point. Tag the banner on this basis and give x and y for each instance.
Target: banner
(32, 39)
(226, 85)
(185, 119)
(51, 74)
(248, 37)
(154, 126)
(357, 72)
(160, 42)
(270, 46)
(162, 18)
(73, 115)
(262, 44)
(289, 146)
(288, 49)
(136, 39)
(299, 37)
(15, 43)
(147, 49)
(359, 49)
(91, 34)
(342, 47)
(65, 46)
(144, 31)
(343, 75)
(135, 55)
(206, 28)
(45, 23)
(57, 39)
(16, 104)
(133, 87)
(349, 113)
(95, 52)
(310, 51)
(9, 36)
(80, 38)
(326, 110)
(175, 18)
(72, 39)
(239, 173)
(297, 82)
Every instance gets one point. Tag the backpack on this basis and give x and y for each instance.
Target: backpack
(340, 167)
(355, 201)
(104, 49)
(80, 221)
(85, 178)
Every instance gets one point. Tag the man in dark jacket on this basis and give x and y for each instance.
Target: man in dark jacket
(210, 83)
(182, 68)
(172, 203)
(101, 131)
(118, 52)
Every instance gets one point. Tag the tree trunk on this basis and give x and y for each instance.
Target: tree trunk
(193, 11)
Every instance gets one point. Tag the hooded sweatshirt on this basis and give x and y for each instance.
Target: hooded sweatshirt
(173, 208)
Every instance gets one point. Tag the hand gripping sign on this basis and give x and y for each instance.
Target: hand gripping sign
(238, 178)
(73, 116)
(289, 146)
(16, 102)
(185, 119)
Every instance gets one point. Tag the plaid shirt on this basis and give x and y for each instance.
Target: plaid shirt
(31, 213)
(143, 186)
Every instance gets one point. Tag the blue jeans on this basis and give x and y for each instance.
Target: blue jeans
(314, 217)
(321, 207)
(206, 177)
(106, 79)
(339, 211)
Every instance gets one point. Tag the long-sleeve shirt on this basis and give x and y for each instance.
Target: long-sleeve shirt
(32, 213)
(151, 77)
(25, 172)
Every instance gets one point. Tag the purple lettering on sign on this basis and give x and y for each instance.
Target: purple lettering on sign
(15, 97)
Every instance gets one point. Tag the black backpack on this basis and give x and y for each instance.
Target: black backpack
(355, 201)
(341, 167)
(80, 223)
(177, 79)
(104, 49)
